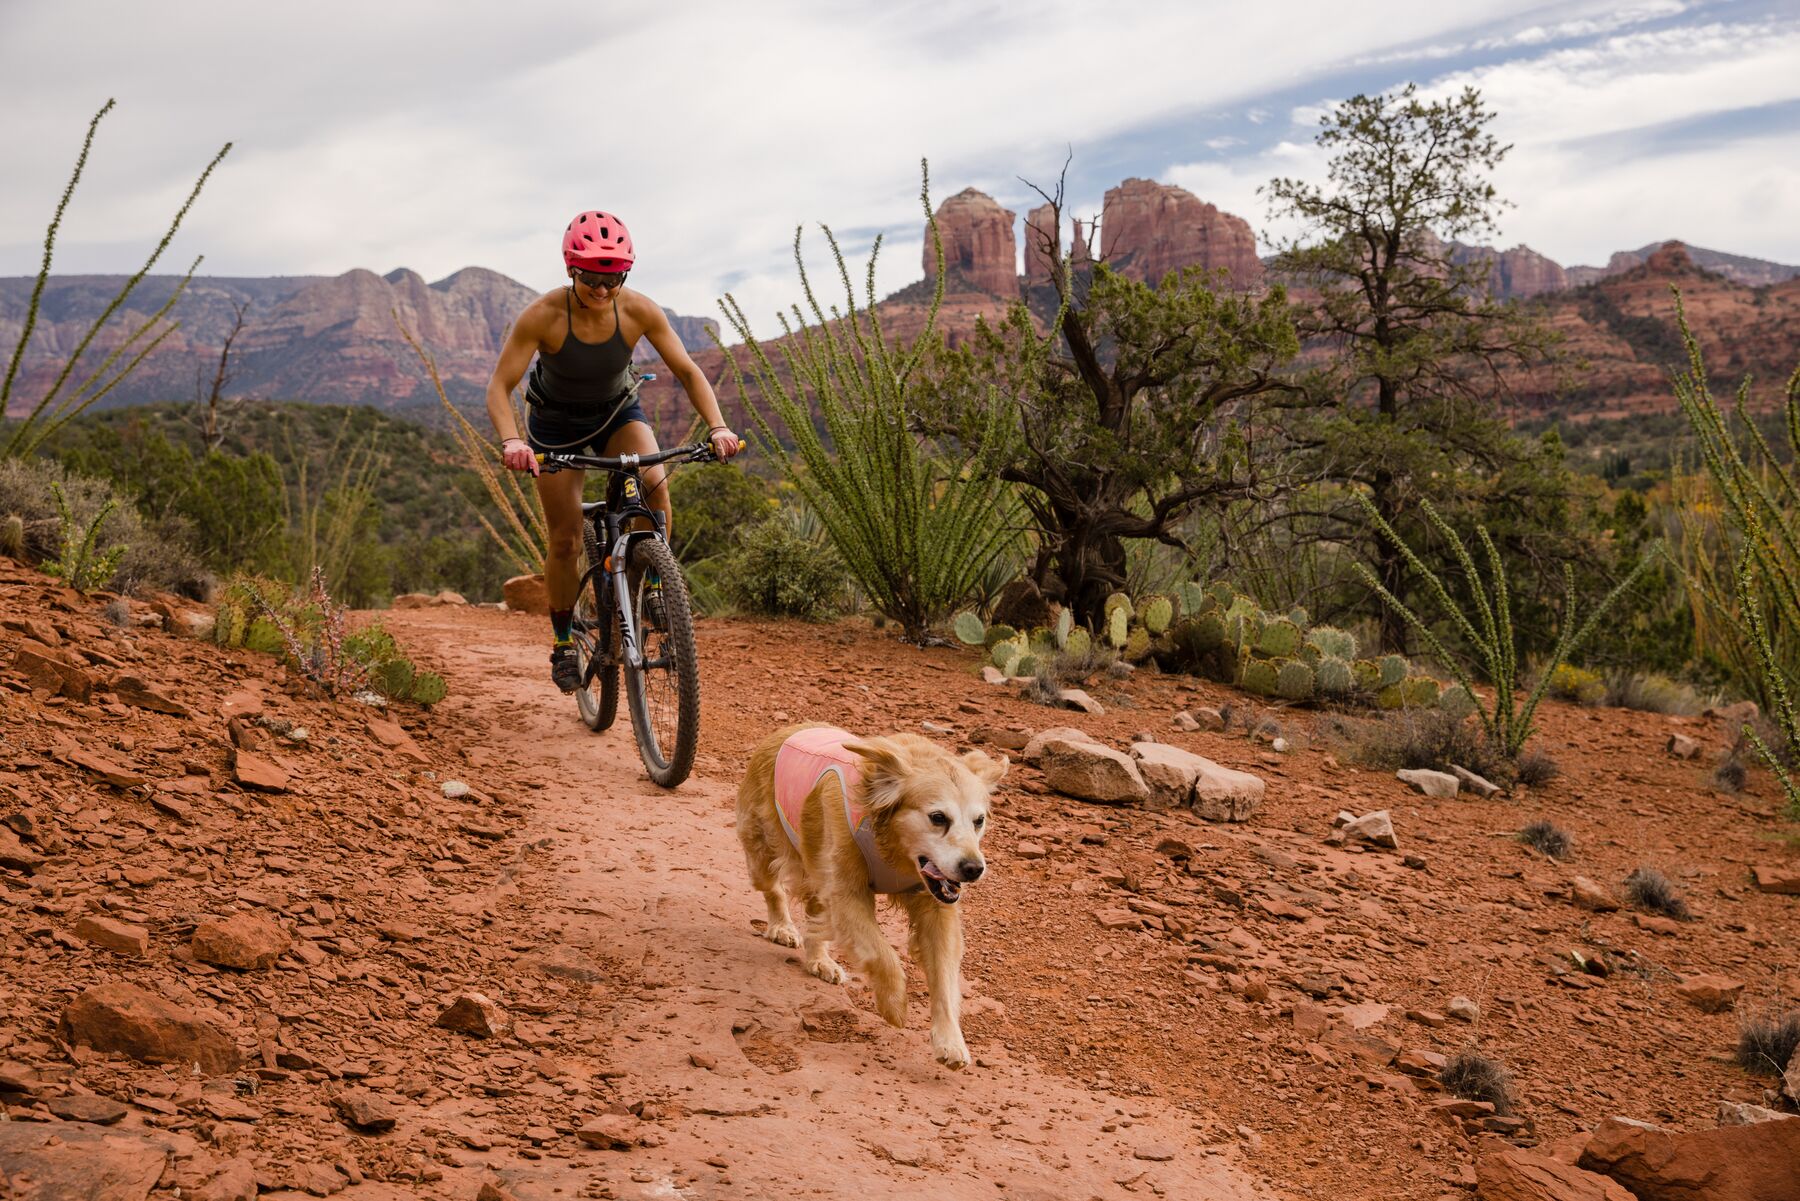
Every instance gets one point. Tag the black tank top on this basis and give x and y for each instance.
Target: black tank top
(582, 375)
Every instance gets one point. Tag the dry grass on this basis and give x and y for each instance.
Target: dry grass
(1548, 837)
(1767, 1041)
(1475, 1077)
(1421, 738)
(1648, 692)
(1535, 768)
(1653, 892)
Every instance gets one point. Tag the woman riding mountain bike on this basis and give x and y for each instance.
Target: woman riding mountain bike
(582, 395)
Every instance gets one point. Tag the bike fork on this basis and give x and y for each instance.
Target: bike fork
(630, 652)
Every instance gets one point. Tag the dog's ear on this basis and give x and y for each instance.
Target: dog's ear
(882, 774)
(988, 770)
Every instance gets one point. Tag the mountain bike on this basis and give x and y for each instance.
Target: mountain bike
(633, 617)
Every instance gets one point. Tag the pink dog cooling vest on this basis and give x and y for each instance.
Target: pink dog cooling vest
(804, 760)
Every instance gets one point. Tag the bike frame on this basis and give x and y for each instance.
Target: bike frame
(612, 515)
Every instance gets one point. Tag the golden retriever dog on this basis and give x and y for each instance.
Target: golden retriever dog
(831, 819)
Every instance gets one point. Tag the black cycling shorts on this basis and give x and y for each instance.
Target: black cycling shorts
(576, 433)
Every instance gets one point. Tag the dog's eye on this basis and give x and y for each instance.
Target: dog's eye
(941, 820)
(980, 822)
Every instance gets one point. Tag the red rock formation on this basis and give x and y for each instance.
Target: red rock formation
(1040, 231)
(978, 243)
(1149, 229)
(1732, 1163)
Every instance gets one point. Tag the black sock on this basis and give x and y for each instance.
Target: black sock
(560, 621)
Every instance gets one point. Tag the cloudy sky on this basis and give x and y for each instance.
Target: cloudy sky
(443, 134)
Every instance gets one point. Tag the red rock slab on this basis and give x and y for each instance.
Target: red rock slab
(390, 735)
(246, 941)
(1783, 878)
(1517, 1174)
(116, 774)
(114, 935)
(127, 1019)
(141, 695)
(1710, 994)
(63, 1161)
(52, 671)
(255, 772)
(1731, 1163)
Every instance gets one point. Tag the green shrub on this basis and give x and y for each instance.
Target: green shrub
(155, 556)
(780, 572)
(1649, 692)
(712, 503)
(1578, 684)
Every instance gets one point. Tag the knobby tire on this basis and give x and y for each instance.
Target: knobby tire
(665, 699)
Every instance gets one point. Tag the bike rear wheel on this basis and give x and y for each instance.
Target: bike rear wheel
(596, 635)
(664, 690)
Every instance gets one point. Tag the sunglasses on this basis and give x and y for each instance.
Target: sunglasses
(600, 281)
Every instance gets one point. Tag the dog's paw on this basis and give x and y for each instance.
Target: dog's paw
(828, 971)
(782, 936)
(890, 1003)
(950, 1049)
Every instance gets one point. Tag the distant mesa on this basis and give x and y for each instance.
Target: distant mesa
(1148, 229)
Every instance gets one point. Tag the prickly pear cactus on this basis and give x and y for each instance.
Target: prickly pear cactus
(229, 624)
(969, 629)
(261, 635)
(1080, 643)
(1280, 639)
(1340, 644)
(1333, 676)
(1156, 613)
(1392, 696)
(1421, 692)
(1005, 654)
(1393, 669)
(1456, 701)
(1294, 681)
(429, 688)
(1137, 644)
(1310, 655)
(395, 678)
(1042, 642)
(1065, 624)
(1190, 598)
(996, 635)
(1261, 677)
(1116, 601)
(1223, 592)
(1299, 617)
(1027, 665)
(1118, 622)
(1367, 674)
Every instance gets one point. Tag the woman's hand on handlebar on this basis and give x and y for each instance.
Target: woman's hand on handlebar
(516, 454)
(724, 443)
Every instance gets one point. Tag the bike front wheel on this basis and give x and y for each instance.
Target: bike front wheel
(664, 690)
(596, 634)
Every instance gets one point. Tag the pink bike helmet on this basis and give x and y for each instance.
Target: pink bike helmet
(597, 241)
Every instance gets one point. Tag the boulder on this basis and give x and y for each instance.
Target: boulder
(472, 1013)
(1731, 1163)
(1479, 785)
(126, 1019)
(365, 1111)
(52, 671)
(235, 1181)
(1088, 771)
(447, 597)
(1431, 783)
(1589, 895)
(412, 600)
(1521, 1174)
(1376, 829)
(1683, 747)
(527, 594)
(1078, 699)
(1034, 746)
(15, 856)
(1710, 994)
(1179, 778)
(75, 1161)
(246, 941)
(1741, 1113)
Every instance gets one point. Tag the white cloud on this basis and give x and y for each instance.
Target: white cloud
(438, 134)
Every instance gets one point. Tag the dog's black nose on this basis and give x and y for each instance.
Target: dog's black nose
(971, 869)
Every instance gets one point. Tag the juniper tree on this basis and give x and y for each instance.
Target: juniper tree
(1131, 412)
(1409, 403)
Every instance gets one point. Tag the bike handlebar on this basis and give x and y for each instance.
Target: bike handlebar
(697, 452)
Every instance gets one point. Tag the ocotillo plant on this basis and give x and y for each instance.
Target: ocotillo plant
(55, 408)
(1761, 606)
(917, 532)
(1508, 724)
